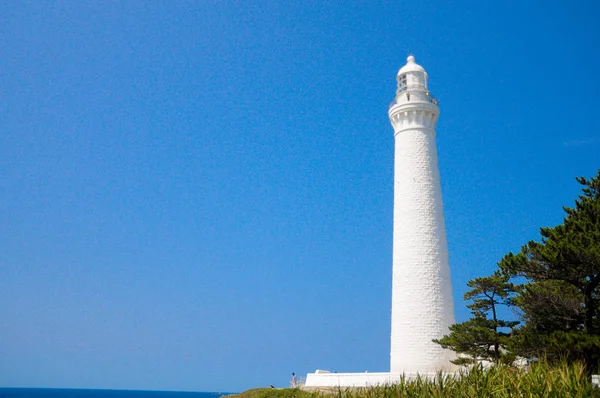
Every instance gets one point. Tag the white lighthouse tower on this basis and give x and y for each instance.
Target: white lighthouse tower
(422, 305)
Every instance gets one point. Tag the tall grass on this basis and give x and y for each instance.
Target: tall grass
(541, 380)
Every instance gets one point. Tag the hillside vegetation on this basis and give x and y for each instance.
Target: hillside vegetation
(541, 380)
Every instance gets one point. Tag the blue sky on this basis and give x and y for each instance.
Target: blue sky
(198, 195)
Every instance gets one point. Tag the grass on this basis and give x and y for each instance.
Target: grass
(541, 380)
(276, 393)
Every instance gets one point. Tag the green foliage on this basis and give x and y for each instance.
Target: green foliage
(541, 380)
(275, 393)
(560, 299)
(484, 336)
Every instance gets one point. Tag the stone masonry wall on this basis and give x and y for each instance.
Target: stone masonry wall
(422, 305)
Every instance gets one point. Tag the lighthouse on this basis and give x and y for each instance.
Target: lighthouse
(422, 305)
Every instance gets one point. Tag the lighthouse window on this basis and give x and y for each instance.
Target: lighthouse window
(402, 83)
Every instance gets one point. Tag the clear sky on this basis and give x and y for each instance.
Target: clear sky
(198, 195)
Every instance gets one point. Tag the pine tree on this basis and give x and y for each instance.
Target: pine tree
(560, 299)
(484, 336)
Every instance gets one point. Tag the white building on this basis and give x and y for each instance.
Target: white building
(422, 305)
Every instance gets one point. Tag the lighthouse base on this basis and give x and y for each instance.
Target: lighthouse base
(327, 379)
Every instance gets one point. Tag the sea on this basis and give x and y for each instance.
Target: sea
(73, 393)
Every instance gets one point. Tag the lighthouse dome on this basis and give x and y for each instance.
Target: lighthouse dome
(411, 66)
(413, 78)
